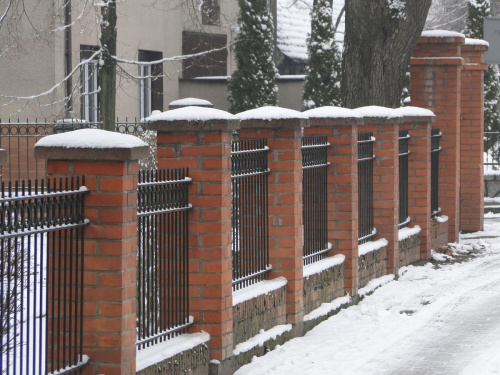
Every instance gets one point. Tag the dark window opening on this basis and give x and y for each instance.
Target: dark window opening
(150, 83)
(209, 64)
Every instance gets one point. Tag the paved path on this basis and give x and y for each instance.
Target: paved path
(444, 321)
(463, 337)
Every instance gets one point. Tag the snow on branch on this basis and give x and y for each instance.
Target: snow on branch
(174, 58)
(2, 18)
(56, 86)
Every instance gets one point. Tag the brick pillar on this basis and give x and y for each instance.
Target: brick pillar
(110, 250)
(418, 122)
(436, 68)
(471, 142)
(384, 123)
(204, 146)
(282, 128)
(340, 126)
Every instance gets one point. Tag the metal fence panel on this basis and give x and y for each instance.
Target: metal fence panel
(249, 211)
(435, 150)
(404, 154)
(314, 197)
(365, 187)
(162, 255)
(41, 276)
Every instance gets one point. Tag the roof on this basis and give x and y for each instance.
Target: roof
(294, 26)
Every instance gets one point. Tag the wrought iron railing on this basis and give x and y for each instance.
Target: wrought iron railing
(314, 198)
(491, 151)
(404, 154)
(366, 229)
(435, 150)
(249, 211)
(19, 138)
(163, 255)
(41, 276)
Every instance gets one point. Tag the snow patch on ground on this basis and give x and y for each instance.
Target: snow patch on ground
(372, 246)
(270, 113)
(327, 307)
(261, 338)
(374, 284)
(257, 289)
(91, 138)
(440, 257)
(154, 354)
(191, 113)
(405, 233)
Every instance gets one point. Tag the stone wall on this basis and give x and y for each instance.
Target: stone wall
(439, 234)
(409, 250)
(372, 265)
(263, 312)
(323, 287)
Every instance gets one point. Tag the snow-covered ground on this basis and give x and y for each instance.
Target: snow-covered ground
(439, 318)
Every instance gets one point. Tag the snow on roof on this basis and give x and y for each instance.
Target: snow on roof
(414, 111)
(441, 34)
(190, 101)
(91, 138)
(476, 42)
(376, 111)
(332, 112)
(294, 26)
(191, 113)
(270, 113)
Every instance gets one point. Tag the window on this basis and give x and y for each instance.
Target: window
(210, 12)
(150, 84)
(209, 64)
(89, 85)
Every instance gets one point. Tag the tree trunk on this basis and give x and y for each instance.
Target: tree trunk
(108, 69)
(379, 42)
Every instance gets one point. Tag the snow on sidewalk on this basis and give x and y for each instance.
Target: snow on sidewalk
(444, 318)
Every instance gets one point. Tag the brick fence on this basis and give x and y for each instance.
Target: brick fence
(293, 297)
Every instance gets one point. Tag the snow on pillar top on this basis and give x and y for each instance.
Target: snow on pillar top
(379, 115)
(330, 115)
(192, 118)
(91, 144)
(416, 114)
(271, 117)
(188, 102)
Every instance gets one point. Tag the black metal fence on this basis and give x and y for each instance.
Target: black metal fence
(404, 154)
(163, 255)
(19, 138)
(314, 197)
(249, 216)
(491, 151)
(365, 187)
(41, 276)
(435, 150)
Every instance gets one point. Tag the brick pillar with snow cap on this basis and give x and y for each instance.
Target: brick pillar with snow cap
(200, 139)
(436, 67)
(340, 126)
(384, 124)
(418, 122)
(109, 162)
(472, 133)
(282, 129)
